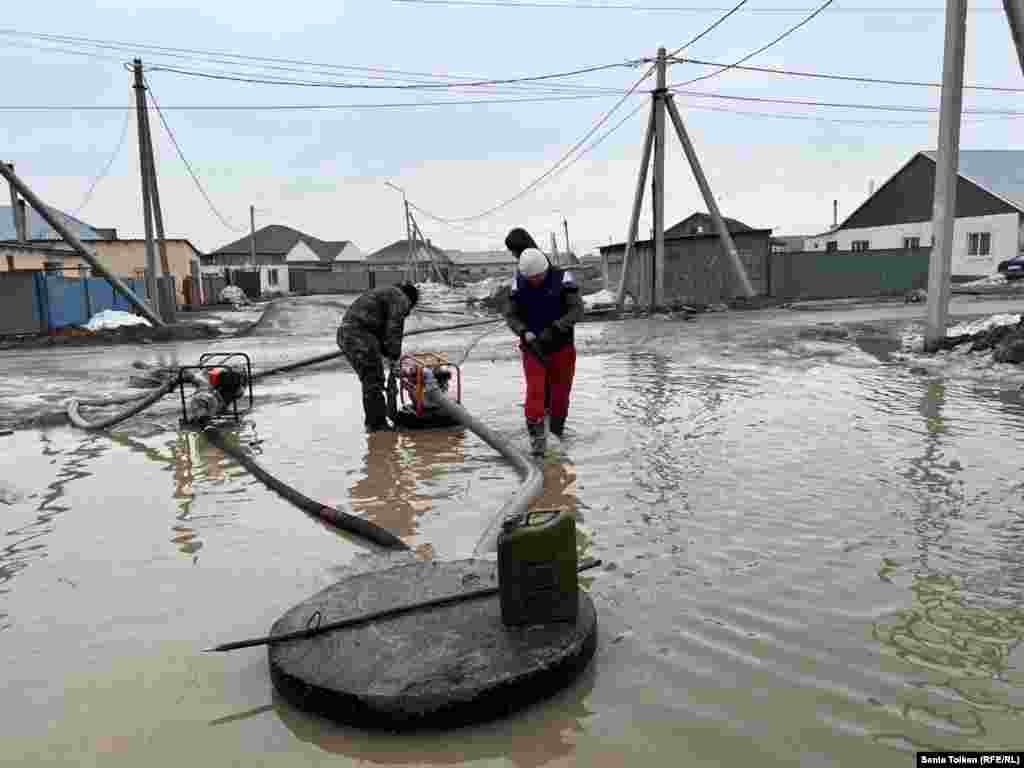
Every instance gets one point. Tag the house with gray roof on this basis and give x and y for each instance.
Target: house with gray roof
(989, 223)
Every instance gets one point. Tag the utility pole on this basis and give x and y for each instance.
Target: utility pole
(946, 174)
(252, 234)
(554, 251)
(565, 224)
(638, 201)
(167, 302)
(147, 211)
(18, 213)
(1015, 15)
(658, 265)
(835, 214)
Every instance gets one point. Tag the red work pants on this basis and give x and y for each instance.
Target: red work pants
(551, 384)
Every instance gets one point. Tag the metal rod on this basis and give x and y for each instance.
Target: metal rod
(709, 199)
(58, 226)
(386, 613)
(947, 164)
(638, 201)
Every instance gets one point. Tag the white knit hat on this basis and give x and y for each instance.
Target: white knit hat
(532, 262)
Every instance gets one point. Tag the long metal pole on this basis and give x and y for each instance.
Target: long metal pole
(638, 201)
(77, 245)
(658, 267)
(709, 199)
(944, 210)
(252, 235)
(1015, 15)
(147, 211)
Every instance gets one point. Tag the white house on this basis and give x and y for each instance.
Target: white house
(989, 224)
(321, 254)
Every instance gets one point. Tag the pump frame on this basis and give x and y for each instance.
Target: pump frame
(415, 388)
(205, 365)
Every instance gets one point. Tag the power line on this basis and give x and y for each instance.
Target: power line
(375, 86)
(764, 48)
(195, 178)
(552, 172)
(675, 9)
(838, 105)
(707, 31)
(299, 107)
(848, 78)
(853, 121)
(540, 179)
(106, 169)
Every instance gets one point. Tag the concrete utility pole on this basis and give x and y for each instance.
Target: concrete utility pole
(147, 211)
(565, 224)
(18, 213)
(638, 201)
(658, 267)
(252, 234)
(946, 174)
(69, 237)
(167, 301)
(1015, 15)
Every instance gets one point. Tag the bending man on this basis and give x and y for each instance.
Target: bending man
(544, 305)
(370, 334)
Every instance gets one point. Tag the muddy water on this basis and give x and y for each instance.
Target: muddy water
(812, 558)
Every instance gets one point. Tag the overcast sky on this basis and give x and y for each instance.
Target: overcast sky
(324, 171)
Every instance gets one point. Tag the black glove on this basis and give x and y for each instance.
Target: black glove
(546, 337)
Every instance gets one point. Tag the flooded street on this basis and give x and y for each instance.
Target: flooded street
(813, 545)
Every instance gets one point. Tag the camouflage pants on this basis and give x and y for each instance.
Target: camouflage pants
(362, 350)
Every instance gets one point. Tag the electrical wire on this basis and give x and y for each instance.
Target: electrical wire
(561, 161)
(674, 9)
(838, 105)
(106, 169)
(710, 29)
(764, 48)
(177, 148)
(823, 119)
(847, 78)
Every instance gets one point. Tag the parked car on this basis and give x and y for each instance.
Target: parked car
(1012, 268)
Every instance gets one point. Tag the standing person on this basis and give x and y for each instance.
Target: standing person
(544, 305)
(370, 333)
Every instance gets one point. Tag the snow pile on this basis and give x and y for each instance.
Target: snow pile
(996, 279)
(963, 329)
(232, 294)
(602, 298)
(110, 318)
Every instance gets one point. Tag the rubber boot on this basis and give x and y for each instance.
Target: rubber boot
(538, 440)
(557, 426)
(376, 412)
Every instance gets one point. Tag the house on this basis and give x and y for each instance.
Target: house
(46, 249)
(694, 270)
(310, 253)
(259, 263)
(474, 266)
(988, 227)
(393, 261)
(790, 243)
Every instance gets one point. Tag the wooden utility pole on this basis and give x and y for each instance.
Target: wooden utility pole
(71, 239)
(1015, 15)
(658, 199)
(946, 174)
(147, 211)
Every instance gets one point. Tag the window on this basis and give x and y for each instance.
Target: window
(979, 244)
(272, 276)
(860, 245)
(911, 242)
(832, 245)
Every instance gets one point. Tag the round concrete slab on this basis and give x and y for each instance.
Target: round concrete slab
(439, 667)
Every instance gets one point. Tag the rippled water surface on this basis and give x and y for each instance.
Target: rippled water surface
(812, 557)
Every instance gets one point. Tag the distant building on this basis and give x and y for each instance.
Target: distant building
(395, 258)
(473, 266)
(898, 215)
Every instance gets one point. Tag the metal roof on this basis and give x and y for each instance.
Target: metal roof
(40, 230)
(999, 171)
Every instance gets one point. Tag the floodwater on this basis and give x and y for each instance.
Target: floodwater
(813, 543)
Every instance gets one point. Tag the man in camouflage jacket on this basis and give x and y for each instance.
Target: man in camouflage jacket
(371, 331)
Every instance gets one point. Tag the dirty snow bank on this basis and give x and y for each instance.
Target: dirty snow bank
(109, 319)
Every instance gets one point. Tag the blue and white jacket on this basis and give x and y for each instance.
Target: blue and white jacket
(556, 304)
